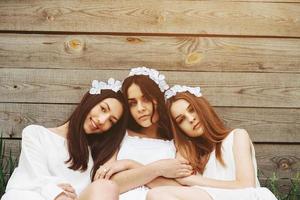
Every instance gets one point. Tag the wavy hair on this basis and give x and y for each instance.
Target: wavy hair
(197, 150)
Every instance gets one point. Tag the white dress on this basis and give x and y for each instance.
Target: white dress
(42, 166)
(144, 151)
(215, 170)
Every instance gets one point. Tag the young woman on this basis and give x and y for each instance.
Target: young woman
(147, 151)
(223, 159)
(55, 163)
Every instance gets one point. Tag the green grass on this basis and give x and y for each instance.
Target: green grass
(7, 166)
(294, 191)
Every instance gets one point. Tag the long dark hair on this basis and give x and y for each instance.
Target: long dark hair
(197, 150)
(102, 145)
(152, 92)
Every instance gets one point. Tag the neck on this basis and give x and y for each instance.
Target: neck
(151, 131)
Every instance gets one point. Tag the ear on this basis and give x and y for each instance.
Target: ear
(155, 102)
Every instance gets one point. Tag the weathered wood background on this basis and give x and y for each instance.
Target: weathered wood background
(244, 54)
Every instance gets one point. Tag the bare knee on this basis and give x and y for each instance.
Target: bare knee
(101, 189)
(106, 185)
(157, 194)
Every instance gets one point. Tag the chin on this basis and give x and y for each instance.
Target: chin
(194, 135)
(145, 125)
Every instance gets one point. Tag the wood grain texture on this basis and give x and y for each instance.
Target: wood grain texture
(136, 16)
(263, 124)
(281, 160)
(284, 160)
(172, 53)
(221, 89)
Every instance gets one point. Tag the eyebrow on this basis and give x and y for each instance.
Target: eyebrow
(143, 96)
(107, 106)
(177, 117)
(189, 106)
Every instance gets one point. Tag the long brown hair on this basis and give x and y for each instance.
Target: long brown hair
(102, 145)
(152, 92)
(197, 150)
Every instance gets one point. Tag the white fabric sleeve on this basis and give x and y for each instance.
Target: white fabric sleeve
(32, 172)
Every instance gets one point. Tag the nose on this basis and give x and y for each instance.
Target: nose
(190, 117)
(102, 118)
(140, 107)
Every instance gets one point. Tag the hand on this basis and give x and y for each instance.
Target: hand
(107, 170)
(173, 168)
(68, 193)
(189, 180)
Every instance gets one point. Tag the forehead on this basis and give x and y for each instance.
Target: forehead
(134, 91)
(179, 106)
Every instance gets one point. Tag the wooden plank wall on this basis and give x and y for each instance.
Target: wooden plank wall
(244, 54)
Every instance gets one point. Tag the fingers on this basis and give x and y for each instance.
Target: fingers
(96, 174)
(109, 173)
(183, 161)
(184, 173)
(67, 187)
(101, 172)
(66, 196)
(187, 167)
(69, 192)
(70, 195)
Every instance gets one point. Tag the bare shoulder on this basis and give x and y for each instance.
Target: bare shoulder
(241, 138)
(241, 134)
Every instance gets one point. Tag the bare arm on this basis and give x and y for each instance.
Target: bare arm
(135, 177)
(156, 182)
(245, 175)
(161, 181)
(139, 175)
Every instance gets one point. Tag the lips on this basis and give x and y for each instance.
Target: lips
(144, 117)
(196, 126)
(94, 125)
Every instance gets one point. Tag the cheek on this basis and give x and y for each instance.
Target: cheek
(151, 107)
(132, 112)
(186, 128)
(94, 110)
(108, 126)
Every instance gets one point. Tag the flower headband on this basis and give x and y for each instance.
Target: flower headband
(111, 84)
(153, 74)
(182, 88)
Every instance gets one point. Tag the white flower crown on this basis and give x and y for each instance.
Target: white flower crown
(153, 74)
(182, 88)
(112, 84)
